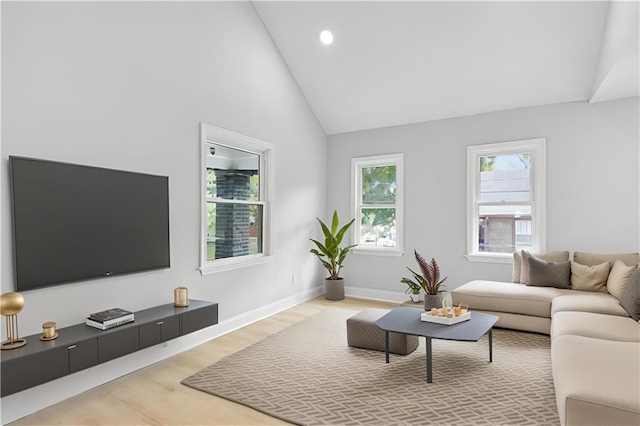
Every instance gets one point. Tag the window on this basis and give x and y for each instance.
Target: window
(236, 198)
(506, 199)
(377, 201)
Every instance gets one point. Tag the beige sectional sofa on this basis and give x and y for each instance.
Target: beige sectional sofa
(595, 345)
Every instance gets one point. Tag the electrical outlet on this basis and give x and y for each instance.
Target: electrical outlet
(293, 279)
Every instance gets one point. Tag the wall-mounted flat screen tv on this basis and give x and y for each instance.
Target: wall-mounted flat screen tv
(74, 222)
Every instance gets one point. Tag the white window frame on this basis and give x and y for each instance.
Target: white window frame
(356, 201)
(266, 151)
(537, 149)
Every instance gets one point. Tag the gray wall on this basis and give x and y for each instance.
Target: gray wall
(125, 86)
(592, 185)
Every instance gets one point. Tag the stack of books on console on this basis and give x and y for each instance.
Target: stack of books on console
(109, 318)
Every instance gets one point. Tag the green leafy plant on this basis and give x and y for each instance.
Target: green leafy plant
(330, 253)
(412, 287)
(429, 280)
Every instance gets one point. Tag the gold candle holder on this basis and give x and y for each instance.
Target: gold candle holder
(181, 297)
(49, 331)
(11, 305)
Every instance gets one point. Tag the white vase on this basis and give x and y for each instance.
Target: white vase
(415, 298)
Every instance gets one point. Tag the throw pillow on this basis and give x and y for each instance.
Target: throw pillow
(630, 298)
(590, 278)
(592, 259)
(543, 273)
(619, 277)
(552, 256)
(517, 267)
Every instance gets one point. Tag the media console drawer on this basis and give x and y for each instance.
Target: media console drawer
(159, 331)
(118, 343)
(83, 355)
(199, 318)
(23, 373)
(79, 347)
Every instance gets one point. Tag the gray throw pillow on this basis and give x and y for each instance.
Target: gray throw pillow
(630, 298)
(549, 274)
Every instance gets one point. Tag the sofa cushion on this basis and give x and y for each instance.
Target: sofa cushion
(513, 298)
(630, 298)
(591, 259)
(587, 301)
(596, 381)
(516, 270)
(590, 278)
(597, 326)
(548, 274)
(619, 277)
(551, 256)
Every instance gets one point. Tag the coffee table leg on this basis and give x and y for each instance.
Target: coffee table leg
(386, 346)
(429, 366)
(491, 345)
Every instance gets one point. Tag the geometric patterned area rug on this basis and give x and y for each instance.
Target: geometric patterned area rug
(306, 374)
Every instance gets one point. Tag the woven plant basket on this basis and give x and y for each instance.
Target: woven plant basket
(334, 289)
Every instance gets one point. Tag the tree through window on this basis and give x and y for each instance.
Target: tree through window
(377, 188)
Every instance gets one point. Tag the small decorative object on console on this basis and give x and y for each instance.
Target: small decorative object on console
(109, 315)
(49, 331)
(181, 297)
(11, 305)
(109, 318)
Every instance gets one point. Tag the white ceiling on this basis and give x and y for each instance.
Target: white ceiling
(394, 63)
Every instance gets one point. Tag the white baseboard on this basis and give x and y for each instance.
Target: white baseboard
(373, 294)
(18, 405)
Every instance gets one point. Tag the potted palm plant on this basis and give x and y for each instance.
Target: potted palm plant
(429, 281)
(332, 256)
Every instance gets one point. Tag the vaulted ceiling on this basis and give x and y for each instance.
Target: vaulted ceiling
(394, 63)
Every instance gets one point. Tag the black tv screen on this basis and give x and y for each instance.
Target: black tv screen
(73, 222)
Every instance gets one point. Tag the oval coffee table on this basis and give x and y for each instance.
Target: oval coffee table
(407, 321)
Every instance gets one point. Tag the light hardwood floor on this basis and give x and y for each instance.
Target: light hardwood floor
(155, 396)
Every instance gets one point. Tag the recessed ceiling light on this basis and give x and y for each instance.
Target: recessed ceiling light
(326, 37)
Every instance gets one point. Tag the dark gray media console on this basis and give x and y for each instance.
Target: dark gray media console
(80, 346)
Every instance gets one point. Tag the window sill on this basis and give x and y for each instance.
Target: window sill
(224, 265)
(378, 252)
(490, 258)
